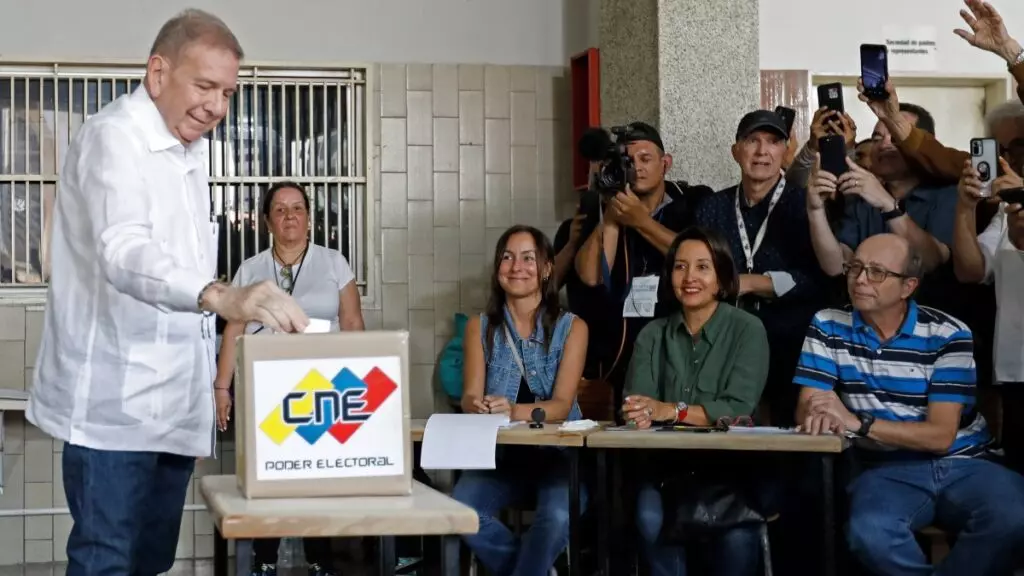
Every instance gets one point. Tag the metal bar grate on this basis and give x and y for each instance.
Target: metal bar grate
(308, 126)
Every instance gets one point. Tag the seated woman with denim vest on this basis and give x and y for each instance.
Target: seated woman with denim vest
(702, 364)
(524, 353)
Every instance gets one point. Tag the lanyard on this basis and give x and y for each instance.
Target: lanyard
(748, 250)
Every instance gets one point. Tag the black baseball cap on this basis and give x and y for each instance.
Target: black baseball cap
(764, 120)
(642, 132)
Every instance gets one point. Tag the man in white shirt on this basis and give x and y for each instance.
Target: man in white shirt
(997, 255)
(125, 367)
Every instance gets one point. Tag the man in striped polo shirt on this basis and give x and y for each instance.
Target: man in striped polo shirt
(901, 377)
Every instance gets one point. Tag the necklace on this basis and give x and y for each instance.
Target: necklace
(285, 279)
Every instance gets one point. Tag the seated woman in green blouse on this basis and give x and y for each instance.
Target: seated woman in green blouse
(707, 361)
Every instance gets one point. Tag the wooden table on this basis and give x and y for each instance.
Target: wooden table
(424, 512)
(825, 446)
(549, 435)
(522, 435)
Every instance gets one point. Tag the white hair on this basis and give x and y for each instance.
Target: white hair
(1009, 110)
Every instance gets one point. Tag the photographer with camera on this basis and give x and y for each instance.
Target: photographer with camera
(638, 215)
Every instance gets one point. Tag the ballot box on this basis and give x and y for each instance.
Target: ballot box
(323, 414)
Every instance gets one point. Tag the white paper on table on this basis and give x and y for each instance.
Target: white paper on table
(317, 326)
(762, 430)
(461, 441)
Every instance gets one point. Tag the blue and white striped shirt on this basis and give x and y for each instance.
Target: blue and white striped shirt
(930, 359)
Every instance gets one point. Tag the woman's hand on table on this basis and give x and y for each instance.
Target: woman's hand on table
(643, 410)
(497, 405)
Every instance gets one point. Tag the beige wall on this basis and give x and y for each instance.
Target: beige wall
(465, 151)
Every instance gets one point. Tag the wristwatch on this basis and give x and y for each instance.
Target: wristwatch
(681, 409)
(866, 420)
(897, 211)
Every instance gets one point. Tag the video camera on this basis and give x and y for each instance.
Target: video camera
(617, 169)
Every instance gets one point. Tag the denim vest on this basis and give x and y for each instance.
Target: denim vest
(503, 374)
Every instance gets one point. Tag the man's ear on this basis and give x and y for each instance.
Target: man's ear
(157, 68)
(735, 148)
(909, 287)
(666, 161)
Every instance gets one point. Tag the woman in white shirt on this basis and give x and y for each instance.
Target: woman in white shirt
(324, 286)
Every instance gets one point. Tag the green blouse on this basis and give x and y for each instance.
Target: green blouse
(723, 369)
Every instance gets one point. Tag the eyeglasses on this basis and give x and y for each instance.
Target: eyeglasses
(876, 274)
(286, 278)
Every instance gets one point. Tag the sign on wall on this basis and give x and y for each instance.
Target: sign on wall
(328, 418)
(911, 48)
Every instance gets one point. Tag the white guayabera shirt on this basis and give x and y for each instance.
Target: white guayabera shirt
(126, 360)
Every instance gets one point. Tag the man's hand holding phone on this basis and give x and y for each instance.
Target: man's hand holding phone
(887, 111)
(822, 186)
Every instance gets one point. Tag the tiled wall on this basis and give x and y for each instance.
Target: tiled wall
(464, 152)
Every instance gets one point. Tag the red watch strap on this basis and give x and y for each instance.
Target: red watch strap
(681, 413)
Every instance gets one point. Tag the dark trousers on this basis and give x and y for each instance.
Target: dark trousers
(1013, 424)
(126, 508)
(318, 551)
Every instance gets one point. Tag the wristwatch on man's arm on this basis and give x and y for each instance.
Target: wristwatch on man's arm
(681, 410)
(866, 420)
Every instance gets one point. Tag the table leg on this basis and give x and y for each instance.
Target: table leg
(386, 560)
(450, 555)
(220, 553)
(828, 513)
(600, 499)
(574, 512)
(243, 557)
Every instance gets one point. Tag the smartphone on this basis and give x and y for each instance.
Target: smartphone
(831, 96)
(985, 159)
(1012, 196)
(788, 116)
(874, 70)
(832, 149)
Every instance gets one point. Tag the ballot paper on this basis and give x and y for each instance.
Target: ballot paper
(461, 441)
(317, 326)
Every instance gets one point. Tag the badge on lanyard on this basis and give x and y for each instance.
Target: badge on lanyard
(749, 251)
(642, 298)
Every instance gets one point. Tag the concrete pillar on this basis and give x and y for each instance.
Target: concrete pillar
(689, 67)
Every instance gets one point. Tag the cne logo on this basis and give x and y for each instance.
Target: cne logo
(338, 406)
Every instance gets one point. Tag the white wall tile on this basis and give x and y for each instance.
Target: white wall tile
(471, 117)
(522, 79)
(471, 172)
(394, 251)
(421, 337)
(12, 323)
(446, 90)
(524, 172)
(446, 246)
(446, 305)
(471, 226)
(396, 306)
(421, 173)
(421, 281)
(471, 77)
(421, 390)
(499, 201)
(446, 144)
(12, 540)
(524, 119)
(421, 227)
(497, 145)
(392, 201)
(421, 119)
(496, 94)
(392, 90)
(392, 144)
(446, 199)
(12, 358)
(419, 77)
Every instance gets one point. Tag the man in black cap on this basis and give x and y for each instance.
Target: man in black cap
(765, 221)
(625, 253)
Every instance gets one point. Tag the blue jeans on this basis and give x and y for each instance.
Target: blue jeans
(736, 552)
(980, 500)
(521, 473)
(126, 508)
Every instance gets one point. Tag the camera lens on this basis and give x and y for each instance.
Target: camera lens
(976, 148)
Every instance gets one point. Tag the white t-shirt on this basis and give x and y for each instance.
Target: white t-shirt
(318, 280)
(1004, 265)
